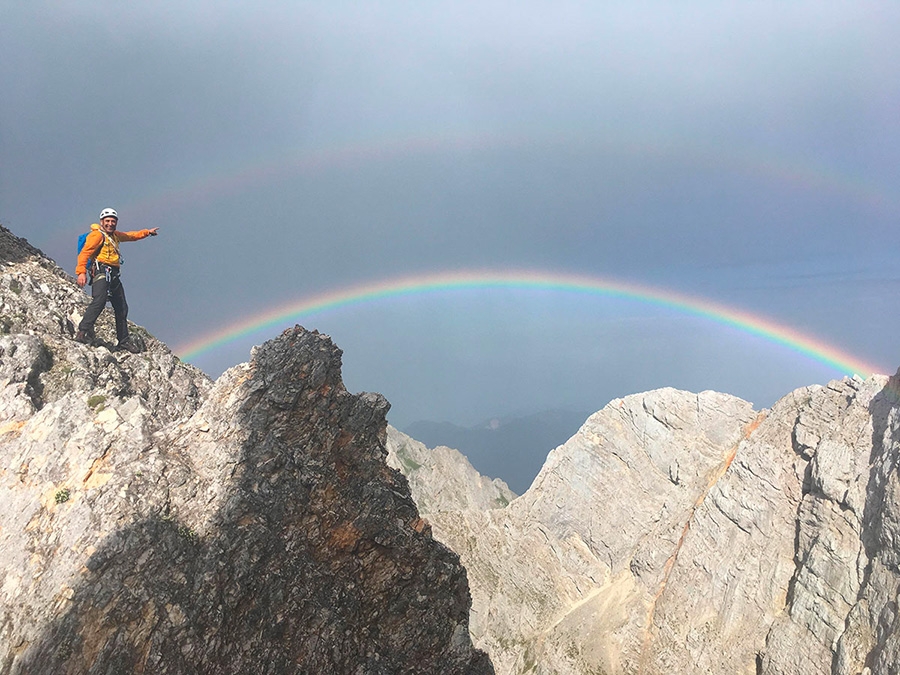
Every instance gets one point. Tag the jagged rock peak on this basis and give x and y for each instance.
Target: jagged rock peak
(152, 522)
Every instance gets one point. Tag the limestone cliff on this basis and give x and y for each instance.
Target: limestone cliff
(154, 522)
(688, 533)
(442, 479)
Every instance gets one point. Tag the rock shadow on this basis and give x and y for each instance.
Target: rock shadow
(882, 463)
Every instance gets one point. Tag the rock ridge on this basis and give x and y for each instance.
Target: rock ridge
(153, 521)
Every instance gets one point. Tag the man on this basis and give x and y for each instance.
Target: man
(102, 247)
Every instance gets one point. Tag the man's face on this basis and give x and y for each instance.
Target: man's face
(108, 224)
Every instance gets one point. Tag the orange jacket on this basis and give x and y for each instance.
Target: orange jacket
(104, 249)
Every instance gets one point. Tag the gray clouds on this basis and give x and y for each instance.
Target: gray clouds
(723, 149)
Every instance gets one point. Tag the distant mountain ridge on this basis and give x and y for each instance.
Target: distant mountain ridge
(442, 479)
(512, 448)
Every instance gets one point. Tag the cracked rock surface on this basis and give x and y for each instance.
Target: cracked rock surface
(688, 533)
(152, 521)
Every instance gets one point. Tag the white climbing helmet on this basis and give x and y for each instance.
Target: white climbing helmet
(109, 213)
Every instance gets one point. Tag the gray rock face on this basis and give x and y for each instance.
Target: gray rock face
(566, 578)
(442, 479)
(684, 533)
(842, 595)
(154, 522)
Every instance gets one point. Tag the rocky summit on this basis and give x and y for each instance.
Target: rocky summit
(152, 521)
(688, 533)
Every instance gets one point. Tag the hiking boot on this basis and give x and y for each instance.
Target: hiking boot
(83, 337)
(129, 346)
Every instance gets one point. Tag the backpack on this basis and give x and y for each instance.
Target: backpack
(82, 238)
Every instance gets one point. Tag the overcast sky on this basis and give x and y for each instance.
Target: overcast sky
(746, 153)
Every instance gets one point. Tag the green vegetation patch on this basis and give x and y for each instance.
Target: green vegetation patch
(188, 533)
(408, 462)
(97, 402)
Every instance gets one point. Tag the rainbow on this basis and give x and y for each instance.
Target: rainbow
(231, 180)
(156, 204)
(277, 317)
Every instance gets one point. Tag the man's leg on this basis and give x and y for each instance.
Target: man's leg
(120, 307)
(99, 292)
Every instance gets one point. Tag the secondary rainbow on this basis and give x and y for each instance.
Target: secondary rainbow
(278, 317)
(157, 203)
(792, 171)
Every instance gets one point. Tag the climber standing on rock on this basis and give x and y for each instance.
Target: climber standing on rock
(99, 259)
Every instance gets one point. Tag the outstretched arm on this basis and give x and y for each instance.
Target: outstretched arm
(137, 234)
